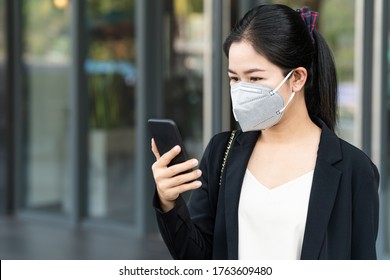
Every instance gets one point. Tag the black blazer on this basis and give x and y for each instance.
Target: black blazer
(342, 219)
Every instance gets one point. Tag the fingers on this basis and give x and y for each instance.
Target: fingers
(169, 188)
(165, 159)
(169, 195)
(182, 182)
(154, 149)
(182, 167)
(175, 173)
(169, 191)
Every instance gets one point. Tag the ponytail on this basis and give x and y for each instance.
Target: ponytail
(321, 93)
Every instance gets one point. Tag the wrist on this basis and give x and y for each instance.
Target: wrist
(167, 205)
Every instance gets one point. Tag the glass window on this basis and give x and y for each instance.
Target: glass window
(387, 137)
(183, 69)
(338, 27)
(46, 62)
(111, 77)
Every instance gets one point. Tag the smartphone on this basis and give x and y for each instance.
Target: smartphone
(166, 135)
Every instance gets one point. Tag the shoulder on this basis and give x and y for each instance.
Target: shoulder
(359, 160)
(216, 146)
(215, 149)
(359, 175)
(344, 156)
(219, 141)
(352, 152)
(220, 137)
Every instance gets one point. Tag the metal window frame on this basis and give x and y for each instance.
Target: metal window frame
(78, 107)
(213, 85)
(16, 86)
(364, 12)
(7, 205)
(149, 61)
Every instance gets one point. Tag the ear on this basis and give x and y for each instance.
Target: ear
(298, 79)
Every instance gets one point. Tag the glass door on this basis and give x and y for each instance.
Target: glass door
(183, 69)
(46, 65)
(386, 177)
(111, 78)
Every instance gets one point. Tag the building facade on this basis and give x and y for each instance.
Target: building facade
(80, 79)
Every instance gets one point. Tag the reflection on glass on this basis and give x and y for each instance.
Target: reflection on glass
(2, 31)
(110, 68)
(183, 80)
(387, 178)
(46, 59)
(337, 26)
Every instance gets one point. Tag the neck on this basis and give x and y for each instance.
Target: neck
(296, 127)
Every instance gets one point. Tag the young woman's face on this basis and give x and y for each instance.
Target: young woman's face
(246, 65)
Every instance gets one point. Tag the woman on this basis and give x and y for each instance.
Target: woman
(290, 188)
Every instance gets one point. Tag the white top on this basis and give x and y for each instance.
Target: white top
(272, 222)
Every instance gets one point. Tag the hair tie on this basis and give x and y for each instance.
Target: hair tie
(310, 19)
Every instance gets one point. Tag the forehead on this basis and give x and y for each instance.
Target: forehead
(243, 56)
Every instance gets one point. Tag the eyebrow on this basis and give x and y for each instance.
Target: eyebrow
(249, 71)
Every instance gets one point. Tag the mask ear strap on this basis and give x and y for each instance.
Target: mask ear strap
(289, 100)
(284, 80)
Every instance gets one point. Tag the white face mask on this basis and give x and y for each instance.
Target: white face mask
(257, 107)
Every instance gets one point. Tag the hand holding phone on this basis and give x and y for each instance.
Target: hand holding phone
(171, 182)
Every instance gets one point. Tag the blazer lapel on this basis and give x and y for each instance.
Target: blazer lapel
(325, 185)
(235, 170)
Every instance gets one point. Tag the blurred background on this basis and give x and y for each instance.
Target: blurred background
(79, 79)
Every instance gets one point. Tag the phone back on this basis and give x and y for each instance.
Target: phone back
(166, 135)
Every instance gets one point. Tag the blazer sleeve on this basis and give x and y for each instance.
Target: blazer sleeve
(365, 217)
(188, 230)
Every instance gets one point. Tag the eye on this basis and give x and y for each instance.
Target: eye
(233, 79)
(255, 79)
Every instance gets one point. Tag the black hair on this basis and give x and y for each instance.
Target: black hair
(280, 34)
